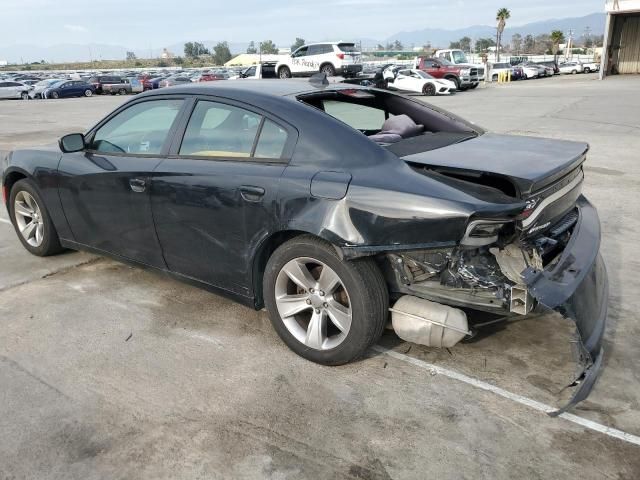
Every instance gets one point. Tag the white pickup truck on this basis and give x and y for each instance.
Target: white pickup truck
(457, 57)
(588, 67)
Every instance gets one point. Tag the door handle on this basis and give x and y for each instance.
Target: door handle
(137, 185)
(251, 194)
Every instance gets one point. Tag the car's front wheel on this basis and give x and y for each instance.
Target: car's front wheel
(24, 96)
(429, 89)
(88, 92)
(325, 309)
(32, 221)
(54, 95)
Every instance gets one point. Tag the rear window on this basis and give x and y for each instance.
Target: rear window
(347, 47)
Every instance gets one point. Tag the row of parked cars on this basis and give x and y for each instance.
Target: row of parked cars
(21, 86)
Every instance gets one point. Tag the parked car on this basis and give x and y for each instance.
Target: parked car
(464, 77)
(69, 88)
(261, 70)
(495, 69)
(571, 68)
(417, 81)
(331, 58)
(552, 65)
(171, 81)
(101, 80)
(9, 89)
(212, 77)
(42, 85)
(155, 82)
(328, 204)
(531, 70)
(588, 67)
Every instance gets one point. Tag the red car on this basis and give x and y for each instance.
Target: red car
(146, 82)
(211, 77)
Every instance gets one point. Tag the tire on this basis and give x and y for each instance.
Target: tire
(429, 89)
(474, 86)
(42, 239)
(360, 291)
(284, 72)
(88, 92)
(494, 78)
(54, 95)
(574, 72)
(328, 69)
(587, 70)
(122, 91)
(455, 80)
(24, 95)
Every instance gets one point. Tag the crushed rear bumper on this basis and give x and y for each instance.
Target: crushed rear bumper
(577, 287)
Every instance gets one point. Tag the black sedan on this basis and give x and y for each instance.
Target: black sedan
(330, 205)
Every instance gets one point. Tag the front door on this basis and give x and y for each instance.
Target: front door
(214, 200)
(105, 190)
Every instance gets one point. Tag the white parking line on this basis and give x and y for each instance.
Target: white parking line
(5, 221)
(541, 407)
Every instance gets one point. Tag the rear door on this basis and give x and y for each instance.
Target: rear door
(105, 190)
(214, 198)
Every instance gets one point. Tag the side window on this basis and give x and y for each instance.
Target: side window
(272, 140)
(140, 129)
(301, 52)
(220, 130)
(360, 117)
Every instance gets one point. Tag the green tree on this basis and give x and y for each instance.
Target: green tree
(178, 60)
(297, 44)
(483, 44)
(529, 44)
(455, 45)
(251, 49)
(465, 44)
(516, 43)
(557, 37)
(397, 45)
(268, 47)
(131, 56)
(502, 16)
(221, 53)
(380, 47)
(195, 49)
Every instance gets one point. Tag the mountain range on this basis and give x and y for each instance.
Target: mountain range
(437, 37)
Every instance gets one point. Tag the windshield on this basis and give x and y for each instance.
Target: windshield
(459, 57)
(422, 74)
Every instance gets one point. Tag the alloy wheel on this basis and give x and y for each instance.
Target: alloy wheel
(313, 303)
(29, 218)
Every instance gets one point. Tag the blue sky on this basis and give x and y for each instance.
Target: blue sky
(143, 23)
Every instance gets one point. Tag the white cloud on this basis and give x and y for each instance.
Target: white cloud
(76, 28)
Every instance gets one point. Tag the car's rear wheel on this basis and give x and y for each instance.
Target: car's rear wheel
(54, 95)
(573, 72)
(284, 72)
(122, 91)
(88, 92)
(328, 70)
(24, 95)
(429, 89)
(325, 309)
(587, 70)
(32, 221)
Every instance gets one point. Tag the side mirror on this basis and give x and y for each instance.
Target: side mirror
(74, 142)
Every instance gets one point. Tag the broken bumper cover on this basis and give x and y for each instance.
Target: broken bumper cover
(577, 287)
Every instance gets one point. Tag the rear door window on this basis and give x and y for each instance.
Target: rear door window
(220, 130)
(272, 141)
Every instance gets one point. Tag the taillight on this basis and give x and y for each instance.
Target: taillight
(340, 56)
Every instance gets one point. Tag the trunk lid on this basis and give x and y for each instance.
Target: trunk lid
(530, 163)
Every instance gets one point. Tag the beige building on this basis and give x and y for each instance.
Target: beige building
(621, 49)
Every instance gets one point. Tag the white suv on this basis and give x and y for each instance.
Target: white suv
(332, 58)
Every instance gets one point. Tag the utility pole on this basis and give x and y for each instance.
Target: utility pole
(568, 53)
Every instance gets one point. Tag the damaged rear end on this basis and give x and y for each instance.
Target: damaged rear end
(544, 256)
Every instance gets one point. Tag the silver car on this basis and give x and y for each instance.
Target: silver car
(9, 89)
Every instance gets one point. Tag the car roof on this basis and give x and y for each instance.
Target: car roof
(240, 89)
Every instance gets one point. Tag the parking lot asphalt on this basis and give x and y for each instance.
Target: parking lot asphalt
(108, 371)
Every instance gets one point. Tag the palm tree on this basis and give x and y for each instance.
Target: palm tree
(557, 37)
(502, 16)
